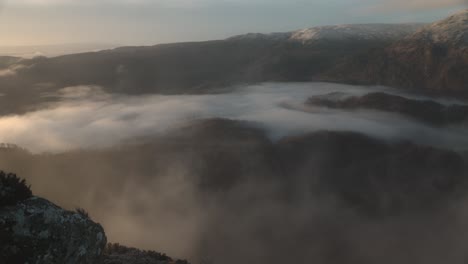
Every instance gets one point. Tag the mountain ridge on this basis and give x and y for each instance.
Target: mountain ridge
(432, 60)
(341, 53)
(387, 31)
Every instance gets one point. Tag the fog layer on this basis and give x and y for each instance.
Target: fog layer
(86, 117)
(258, 187)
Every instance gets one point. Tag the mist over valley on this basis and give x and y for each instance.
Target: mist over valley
(330, 144)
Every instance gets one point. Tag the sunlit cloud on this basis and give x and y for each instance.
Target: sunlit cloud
(12, 70)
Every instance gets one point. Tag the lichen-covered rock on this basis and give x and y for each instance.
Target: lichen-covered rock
(36, 231)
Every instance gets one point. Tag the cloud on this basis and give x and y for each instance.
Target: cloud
(12, 70)
(7, 72)
(151, 197)
(87, 117)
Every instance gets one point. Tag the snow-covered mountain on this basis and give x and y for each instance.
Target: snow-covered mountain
(452, 30)
(384, 32)
(355, 32)
(435, 59)
(422, 57)
(278, 36)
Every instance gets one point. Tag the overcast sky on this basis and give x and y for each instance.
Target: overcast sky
(144, 22)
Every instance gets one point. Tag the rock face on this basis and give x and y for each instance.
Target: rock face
(34, 230)
(37, 231)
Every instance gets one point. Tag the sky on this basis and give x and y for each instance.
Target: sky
(147, 22)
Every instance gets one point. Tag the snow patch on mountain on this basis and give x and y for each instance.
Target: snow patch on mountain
(339, 32)
(279, 36)
(355, 32)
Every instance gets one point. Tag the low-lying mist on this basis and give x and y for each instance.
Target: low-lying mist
(251, 176)
(86, 117)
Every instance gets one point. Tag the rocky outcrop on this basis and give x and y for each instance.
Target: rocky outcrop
(34, 230)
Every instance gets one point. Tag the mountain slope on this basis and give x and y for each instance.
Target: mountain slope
(382, 32)
(197, 67)
(388, 32)
(365, 54)
(434, 59)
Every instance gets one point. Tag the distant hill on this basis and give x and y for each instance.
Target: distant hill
(426, 111)
(423, 57)
(30, 51)
(339, 32)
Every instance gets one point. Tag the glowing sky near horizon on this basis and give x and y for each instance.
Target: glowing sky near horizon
(144, 22)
